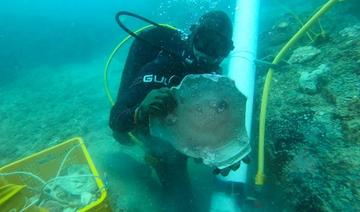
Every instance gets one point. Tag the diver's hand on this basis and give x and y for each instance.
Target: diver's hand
(225, 171)
(157, 102)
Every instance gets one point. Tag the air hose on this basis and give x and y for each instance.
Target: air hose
(259, 179)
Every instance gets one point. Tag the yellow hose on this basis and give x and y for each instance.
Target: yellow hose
(260, 177)
(106, 71)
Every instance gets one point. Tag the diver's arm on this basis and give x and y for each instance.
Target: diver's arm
(121, 118)
(123, 113)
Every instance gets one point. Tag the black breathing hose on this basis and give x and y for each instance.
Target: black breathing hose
(125, 13)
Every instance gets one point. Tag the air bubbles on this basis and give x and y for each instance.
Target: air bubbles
(166, 8)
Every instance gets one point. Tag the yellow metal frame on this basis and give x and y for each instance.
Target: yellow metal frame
(8, 191)
(46, 162)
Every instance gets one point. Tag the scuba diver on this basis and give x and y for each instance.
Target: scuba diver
(158, 60)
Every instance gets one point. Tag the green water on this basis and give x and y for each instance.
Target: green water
(51, 89)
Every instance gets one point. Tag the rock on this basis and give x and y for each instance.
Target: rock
(281, 27)
(351, 32)
(86, 198)
(309, 82)
(304, 54)
(69, 210)
(283, 24)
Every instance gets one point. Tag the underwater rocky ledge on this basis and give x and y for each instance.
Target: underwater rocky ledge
(313, 118)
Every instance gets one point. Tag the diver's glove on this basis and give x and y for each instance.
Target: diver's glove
(225, 171)
(157, 102)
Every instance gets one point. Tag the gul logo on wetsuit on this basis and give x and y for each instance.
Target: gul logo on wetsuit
(173, 80)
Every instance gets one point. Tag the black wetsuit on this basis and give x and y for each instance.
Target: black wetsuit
(149, 68)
